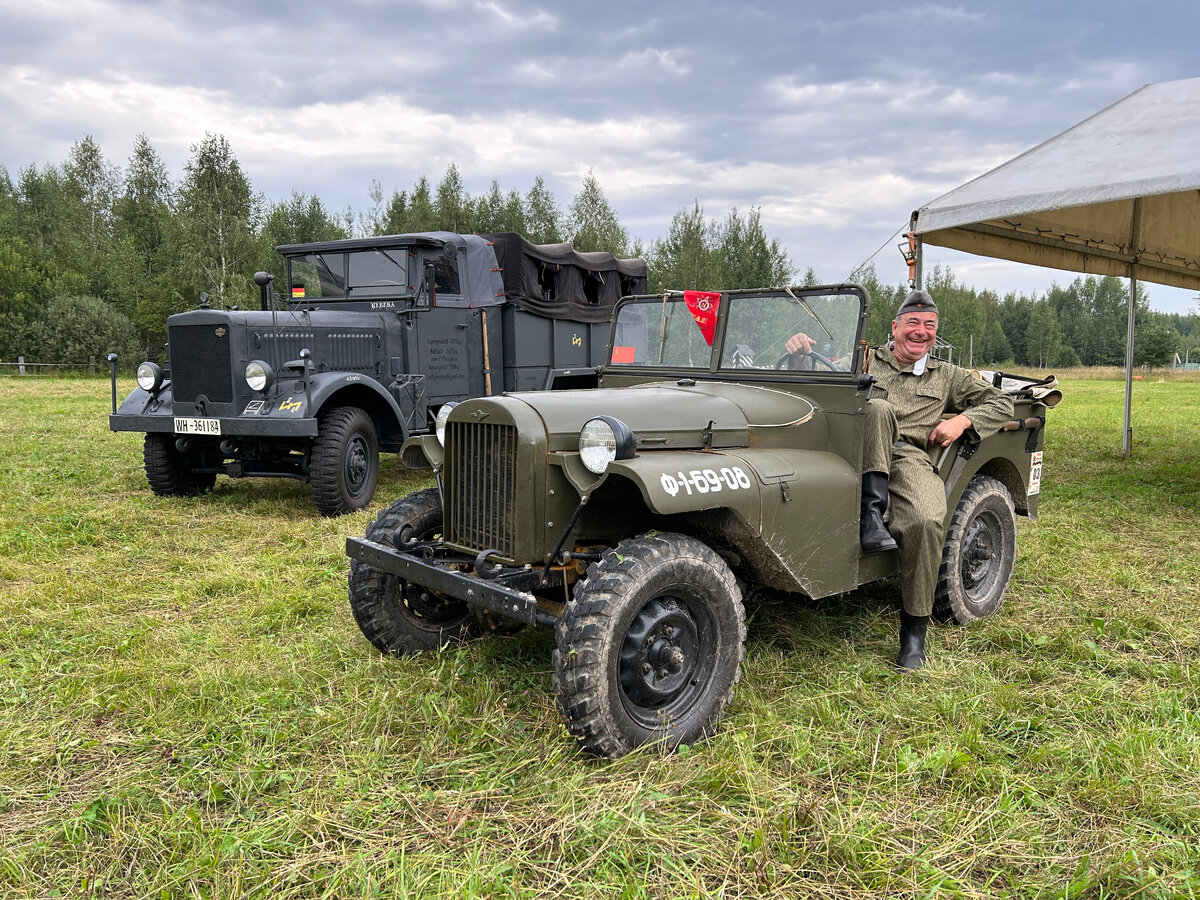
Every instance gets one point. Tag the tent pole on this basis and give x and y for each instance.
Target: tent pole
(1134, 238)
(917, 272)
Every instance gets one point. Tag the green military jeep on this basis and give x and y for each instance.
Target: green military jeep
(633, 518)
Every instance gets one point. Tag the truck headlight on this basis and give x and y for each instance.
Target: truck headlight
(149, 377)
(439, 424)
(259, 375)
(603, 439)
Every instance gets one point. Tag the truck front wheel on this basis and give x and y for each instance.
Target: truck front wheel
(169, 471)
(977, 560)
(397, 617)
(344, 462)
(650, 646)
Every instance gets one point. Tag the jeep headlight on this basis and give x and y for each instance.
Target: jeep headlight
(603, 439)
(149, 377)
(259, 375)
(439, 424)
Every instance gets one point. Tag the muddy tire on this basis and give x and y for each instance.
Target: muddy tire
(649, 647)
(169, 472)
(980, 550)
(399, 618)
(344, 462)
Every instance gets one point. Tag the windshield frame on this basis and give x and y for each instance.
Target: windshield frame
(717, 358)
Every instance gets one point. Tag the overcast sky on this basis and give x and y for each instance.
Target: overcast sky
(837, 119)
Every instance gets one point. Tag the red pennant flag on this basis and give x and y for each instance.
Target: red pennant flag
(703, 307)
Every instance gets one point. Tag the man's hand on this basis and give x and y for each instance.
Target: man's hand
(799, 343)
(949, 430)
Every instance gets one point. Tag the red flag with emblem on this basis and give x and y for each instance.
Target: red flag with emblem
(703, 307)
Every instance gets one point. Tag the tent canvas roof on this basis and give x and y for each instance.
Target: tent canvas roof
(1119, 187)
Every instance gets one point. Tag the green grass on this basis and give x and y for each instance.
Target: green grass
(187, 708)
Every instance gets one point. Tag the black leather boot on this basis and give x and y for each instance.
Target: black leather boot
(912, 641)
(872, 533)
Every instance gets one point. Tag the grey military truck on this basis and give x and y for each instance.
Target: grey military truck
(633, 519)
(370, 340)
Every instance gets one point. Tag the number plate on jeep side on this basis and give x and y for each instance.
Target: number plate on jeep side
(197, 426)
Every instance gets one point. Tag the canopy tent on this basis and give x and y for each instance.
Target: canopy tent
(1117, 194)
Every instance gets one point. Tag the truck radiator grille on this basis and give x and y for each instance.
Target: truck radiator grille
(481, 486)
(201, 363)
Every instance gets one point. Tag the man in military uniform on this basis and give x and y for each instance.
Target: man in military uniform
(906, 417)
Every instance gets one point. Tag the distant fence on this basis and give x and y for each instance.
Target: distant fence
(40, 368)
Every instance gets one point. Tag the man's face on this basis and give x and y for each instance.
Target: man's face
(914, 334)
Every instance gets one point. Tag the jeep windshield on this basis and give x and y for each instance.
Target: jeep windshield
(738, 330)
(353, 275)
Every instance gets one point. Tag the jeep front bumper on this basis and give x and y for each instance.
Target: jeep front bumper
(447, 579)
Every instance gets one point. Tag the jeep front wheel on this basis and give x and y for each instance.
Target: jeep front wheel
(649, 646)
(977, 560)
(344, 462)
(395, 616)
(169, 472)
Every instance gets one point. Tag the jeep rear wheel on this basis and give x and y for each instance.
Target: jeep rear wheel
(977, 560)
(650, 646)
(395, 616)
(169, 472)
(344, 463)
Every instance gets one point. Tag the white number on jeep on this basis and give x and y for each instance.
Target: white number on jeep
(703, 481)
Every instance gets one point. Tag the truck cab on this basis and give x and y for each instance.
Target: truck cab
(368, 339)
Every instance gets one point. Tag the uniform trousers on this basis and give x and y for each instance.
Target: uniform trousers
(916, 504)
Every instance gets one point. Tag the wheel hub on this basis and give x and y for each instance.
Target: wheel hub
(431, 605)
(357, 463)
(659, 654)
(979, 550)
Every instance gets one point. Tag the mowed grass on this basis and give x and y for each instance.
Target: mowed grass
(187, 708)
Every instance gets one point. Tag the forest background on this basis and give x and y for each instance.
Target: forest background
(93, 259)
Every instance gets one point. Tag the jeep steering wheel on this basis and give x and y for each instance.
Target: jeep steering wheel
(785, 361)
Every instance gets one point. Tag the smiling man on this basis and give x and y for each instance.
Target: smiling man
(918, 403)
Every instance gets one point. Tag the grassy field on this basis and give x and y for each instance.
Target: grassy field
(187, 708)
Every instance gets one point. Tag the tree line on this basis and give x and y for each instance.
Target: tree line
(93, 259)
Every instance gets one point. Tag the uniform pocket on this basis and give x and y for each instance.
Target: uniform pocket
(928, 405)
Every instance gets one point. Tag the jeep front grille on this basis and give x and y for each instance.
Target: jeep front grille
(481, 486)
(201, 363)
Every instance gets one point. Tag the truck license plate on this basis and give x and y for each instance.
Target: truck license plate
(197, 426)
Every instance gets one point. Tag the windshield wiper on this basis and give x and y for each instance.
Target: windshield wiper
(808, 309)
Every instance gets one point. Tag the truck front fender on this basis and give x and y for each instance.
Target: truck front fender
(352, 389)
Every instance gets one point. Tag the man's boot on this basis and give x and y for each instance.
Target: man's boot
(912, 641)
(872, 533)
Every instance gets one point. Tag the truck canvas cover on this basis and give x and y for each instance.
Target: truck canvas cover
(555, 281)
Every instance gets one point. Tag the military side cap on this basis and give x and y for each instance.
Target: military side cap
(917, 301)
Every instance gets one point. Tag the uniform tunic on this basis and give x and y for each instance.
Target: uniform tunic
(904, 408)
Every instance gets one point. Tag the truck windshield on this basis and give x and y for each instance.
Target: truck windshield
(378, 272)
(680, 331)
(317, 275)
(360, 273)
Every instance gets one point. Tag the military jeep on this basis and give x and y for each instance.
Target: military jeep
(633, 518)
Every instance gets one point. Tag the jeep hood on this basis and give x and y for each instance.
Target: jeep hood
(668, 415)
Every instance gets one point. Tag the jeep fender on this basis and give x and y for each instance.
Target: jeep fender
(800, 507)
(675, 481)
(422, 451)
